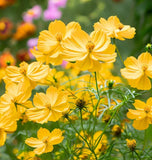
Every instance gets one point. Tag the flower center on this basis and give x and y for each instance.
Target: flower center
(59, 36)
(48, 106)
(147, 109)
(144, 67)
(80, 103)
(2, 26)
(30, 12)
(23, 68)
(90, 46)
(120, 27)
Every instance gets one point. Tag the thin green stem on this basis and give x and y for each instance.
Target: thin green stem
(82, 138)
(137, 155)
(97, 85)
(82, 121)
(118, 51)
(99, 138)
(144, 142)
(133, 156)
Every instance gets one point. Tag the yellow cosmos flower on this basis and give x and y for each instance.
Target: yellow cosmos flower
(114, 28)
(87, 50)
(49, 106)
(142, 114)
(50, 42)
(138, 70)
(45, 141)
(15, 100)
(7, 125)
(29, 74)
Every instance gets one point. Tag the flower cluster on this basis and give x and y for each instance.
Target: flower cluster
(69, 95)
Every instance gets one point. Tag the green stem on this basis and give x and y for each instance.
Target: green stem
(144, 142)
(133, 155)
(137, 155)
(82, 138)
(118, 51)
(99, 138)
(82, 122)
(97, 85)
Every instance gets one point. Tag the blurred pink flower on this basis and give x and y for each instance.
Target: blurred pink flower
(52, 13)
(31, 43)
(64, 63)
(33, 13)
(57, 3)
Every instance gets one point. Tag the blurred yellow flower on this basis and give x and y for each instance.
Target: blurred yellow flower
(7, 125)
(28, 156)
(87, 50)
(131, 144)
(49, 106)
(45, 141)
(138, 70)
(142, 114)
(114, 28)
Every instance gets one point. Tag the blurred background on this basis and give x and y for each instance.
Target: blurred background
(136, 13)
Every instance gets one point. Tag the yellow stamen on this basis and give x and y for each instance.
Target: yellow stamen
(59, 36)
(144, 67)
(90, 46)
(23, 68)
(147, 109)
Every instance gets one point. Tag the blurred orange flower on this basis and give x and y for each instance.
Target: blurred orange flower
(5, 3)
(7, 59)
(24, 30)
(6, 27)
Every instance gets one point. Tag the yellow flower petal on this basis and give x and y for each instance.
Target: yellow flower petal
(139, 105)
(46, 42)
(36, 71)
(2, 137)
(49, 148)
(71, 27)
(145, 58)
(56, 137)
(43, 133)
(149, 101)
(136, 114)
(142, 83)
(40, 150)
(57, 27)
(52, 94)
(34, 142)
(141, 124)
